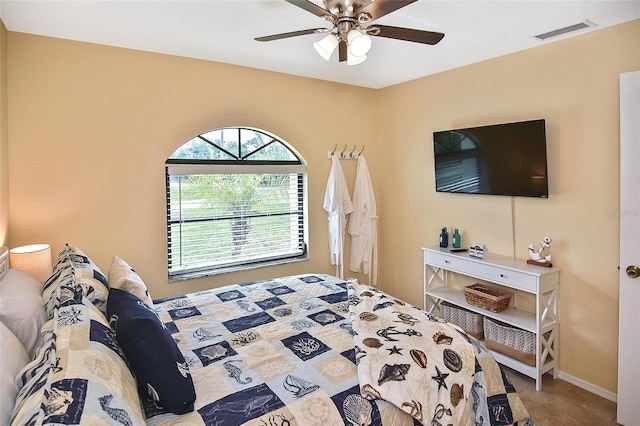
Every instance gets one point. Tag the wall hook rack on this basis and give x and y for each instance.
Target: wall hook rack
(344, 154)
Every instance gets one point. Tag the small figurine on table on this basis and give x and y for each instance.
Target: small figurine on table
(539, 257)
(477, 250)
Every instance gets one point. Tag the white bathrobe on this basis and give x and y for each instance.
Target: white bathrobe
(363, 225)
(337, 203)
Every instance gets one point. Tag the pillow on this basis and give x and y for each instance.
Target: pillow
(155, 359)
(79, 375)
(13, 358)
(76, 270)
(123, 277)
(21, 308)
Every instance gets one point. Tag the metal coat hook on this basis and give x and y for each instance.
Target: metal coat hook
(334, 150)
(342, 153)
(353, 151)
(353, 155)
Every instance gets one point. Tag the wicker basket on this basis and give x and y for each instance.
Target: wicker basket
(470, 322)
(511, 341)
(486, 297)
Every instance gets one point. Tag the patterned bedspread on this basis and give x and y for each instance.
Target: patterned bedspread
(281, 353)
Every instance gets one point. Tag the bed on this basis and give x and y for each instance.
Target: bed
(309, 349)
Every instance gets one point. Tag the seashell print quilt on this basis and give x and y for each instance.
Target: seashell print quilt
(402, 350)
(281, 352)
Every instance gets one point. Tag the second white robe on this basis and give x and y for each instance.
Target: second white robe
(363, 225)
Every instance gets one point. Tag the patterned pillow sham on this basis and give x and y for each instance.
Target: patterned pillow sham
(80, 374)
(76, 270)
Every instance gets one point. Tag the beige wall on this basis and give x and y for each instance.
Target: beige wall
(91, 126)
(4, 141)
(573, 84)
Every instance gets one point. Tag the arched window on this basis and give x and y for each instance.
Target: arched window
(236, 199)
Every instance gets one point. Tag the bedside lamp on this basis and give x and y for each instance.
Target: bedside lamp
(34, 259)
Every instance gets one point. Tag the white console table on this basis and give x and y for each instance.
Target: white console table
(508, 272)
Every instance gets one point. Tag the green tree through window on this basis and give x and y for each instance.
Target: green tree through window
(235, 199)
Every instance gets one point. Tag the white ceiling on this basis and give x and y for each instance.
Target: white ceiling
(223, 31)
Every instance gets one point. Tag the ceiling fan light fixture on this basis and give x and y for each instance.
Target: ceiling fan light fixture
(350, 31)
(326, 46)
(355, 60)
(359, 43)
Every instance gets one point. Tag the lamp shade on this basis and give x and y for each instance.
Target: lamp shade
(326, 46)
(34, 259)
(359, 43)
(355, 60)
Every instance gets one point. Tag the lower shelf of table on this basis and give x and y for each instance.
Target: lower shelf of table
(513, 316)
(523, 368)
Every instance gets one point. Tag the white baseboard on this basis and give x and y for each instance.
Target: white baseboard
(588, 386)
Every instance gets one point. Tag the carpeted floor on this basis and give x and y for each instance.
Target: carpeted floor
(560, 403)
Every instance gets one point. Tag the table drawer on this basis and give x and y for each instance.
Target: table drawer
(478, 269)
(507, 277)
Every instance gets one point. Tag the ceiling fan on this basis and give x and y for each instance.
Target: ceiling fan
(352, 25)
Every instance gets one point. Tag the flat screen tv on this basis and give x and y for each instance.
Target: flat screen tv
(502, 159)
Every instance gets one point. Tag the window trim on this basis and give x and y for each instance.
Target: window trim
(190, 169)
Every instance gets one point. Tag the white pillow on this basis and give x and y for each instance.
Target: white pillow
(123, 277)
(22, 309)
(13, 358)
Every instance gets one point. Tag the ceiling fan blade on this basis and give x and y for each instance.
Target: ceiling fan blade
(408, 34)
(342, 51)
(291, 34)
(310, 7)
(379, 8)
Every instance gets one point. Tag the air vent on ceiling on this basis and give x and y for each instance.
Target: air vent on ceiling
(560, 31)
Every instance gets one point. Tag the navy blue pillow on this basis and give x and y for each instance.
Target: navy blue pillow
(153, 355)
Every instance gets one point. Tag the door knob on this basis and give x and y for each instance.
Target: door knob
(633, 271)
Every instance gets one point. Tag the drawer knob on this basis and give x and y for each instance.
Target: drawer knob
(502, 275)
(446, 261)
